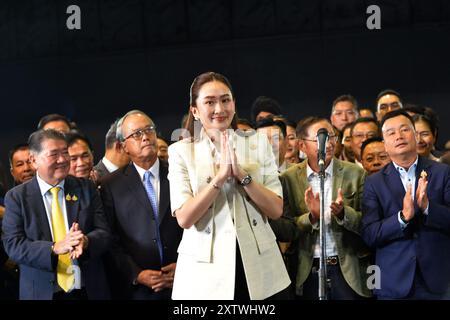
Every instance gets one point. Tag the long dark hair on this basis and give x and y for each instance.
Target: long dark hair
(197, 84)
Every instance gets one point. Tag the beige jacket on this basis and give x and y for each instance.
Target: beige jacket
(207, 253)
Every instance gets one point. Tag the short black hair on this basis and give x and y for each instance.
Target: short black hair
(245, 122)
(345, 97)
(396, 113)
(269, 122)
(304, 124)
(369, 141)
(17, 147)
(388, 91)
(263, 103)
(74, 136)
(53, 117)
(290, 123)
(36, 138)
(365, 120)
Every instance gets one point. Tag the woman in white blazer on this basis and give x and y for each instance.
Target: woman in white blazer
(224, 187)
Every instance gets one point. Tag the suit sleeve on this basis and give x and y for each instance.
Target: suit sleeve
(284, 227)
(439, 214)
(100, 236)
(178, 176)
(352, 216)
(376, 230)
(21, 249)
(123, 262)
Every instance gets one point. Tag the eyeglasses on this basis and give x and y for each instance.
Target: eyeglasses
(331, 138)
(390, 106)
(138, 134)
(362, 135)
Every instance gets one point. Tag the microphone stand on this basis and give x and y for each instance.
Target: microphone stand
(322, 241)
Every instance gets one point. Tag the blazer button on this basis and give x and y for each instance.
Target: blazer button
(208, 230)
(154, 240)
(254, 222)
(52, 281)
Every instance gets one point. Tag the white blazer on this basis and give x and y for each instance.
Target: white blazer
(207, 253)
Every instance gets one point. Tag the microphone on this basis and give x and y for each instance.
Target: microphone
(322, 139)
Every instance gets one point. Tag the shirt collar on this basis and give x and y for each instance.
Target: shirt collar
(328, 170)
(44, 187)
(154, 169)
(413, 167)
(109, 165)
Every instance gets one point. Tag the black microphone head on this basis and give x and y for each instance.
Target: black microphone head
(322, 131)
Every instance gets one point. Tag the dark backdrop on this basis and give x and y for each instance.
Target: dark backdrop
(145, 54)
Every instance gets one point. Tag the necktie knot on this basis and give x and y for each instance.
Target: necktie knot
(55, 191)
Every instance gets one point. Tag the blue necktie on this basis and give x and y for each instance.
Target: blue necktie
(152, 197)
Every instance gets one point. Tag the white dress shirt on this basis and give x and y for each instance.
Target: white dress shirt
(47, 197)
(155, 179)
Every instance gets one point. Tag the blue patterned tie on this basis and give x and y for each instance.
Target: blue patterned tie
(152, 197)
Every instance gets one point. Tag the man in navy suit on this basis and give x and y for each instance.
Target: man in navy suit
(136, 199)
(406, 217)
(55, 229)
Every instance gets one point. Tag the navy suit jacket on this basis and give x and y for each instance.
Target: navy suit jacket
(131, 216)
(424, 242)
(27, 238)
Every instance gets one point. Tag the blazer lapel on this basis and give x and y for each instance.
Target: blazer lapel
(72, 197)
(204, 163)
(302, 183)
(394, 184)
(38, 207)
(137, 188)
(164, 193)
(422, 165)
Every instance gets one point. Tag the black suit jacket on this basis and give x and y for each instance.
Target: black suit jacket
(131, 216)
(101, 169)
(27, 238)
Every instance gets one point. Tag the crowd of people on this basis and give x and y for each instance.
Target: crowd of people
(232, 210)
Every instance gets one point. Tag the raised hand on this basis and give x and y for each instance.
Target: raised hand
(77, 251)
(421, 193)
(337, 206)
(225, 169)
(313, 203)
(408, 204)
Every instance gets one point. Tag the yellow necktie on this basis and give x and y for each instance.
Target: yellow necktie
(64, 273)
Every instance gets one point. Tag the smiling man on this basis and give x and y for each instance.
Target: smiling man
(49, 225)
(81, 155)
(406, 207)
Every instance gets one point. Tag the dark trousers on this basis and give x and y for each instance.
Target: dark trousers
(337, 288)
(77, 294)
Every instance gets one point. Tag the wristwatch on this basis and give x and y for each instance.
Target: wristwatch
(246, 180)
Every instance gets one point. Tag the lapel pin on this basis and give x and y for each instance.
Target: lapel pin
(68, 197)
(423, 174)
(74, 198)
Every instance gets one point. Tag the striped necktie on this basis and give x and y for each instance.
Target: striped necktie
(153, 201)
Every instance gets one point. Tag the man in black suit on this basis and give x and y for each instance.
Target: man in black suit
(136, 200)
(55, 229)
(115, 157)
